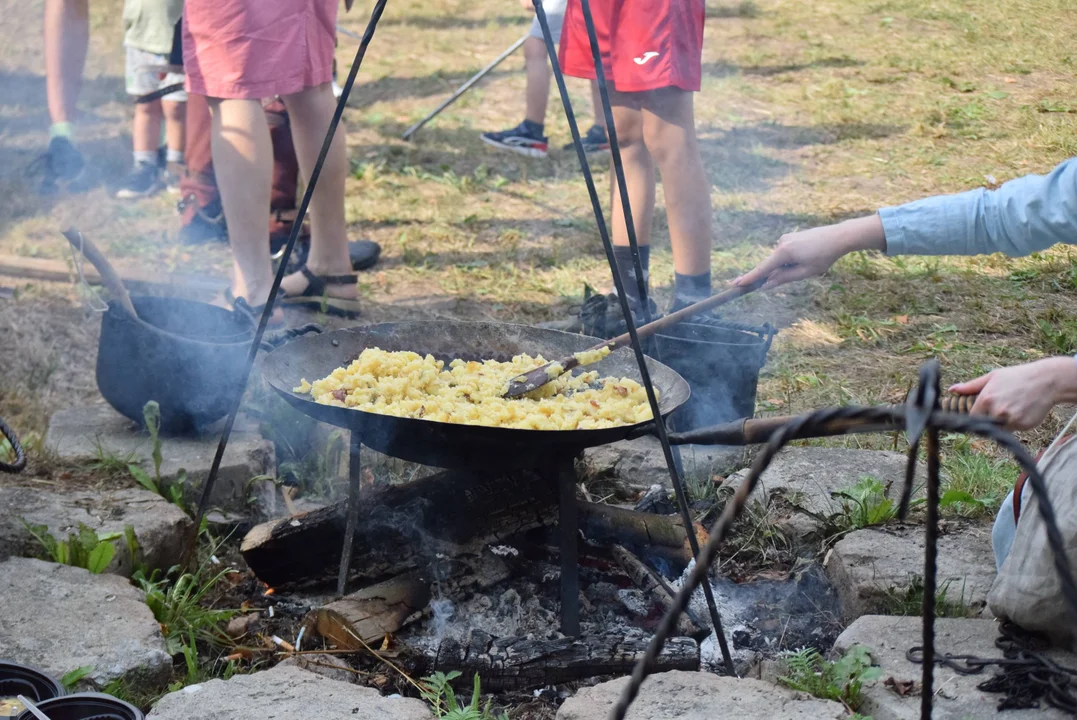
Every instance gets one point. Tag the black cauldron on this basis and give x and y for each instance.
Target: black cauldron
(186, 355)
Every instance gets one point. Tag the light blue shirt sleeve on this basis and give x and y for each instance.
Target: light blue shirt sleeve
(1022, 216)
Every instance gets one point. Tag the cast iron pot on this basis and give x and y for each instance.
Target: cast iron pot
(186, 355)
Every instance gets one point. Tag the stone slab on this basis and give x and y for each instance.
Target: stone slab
(699, 696)
(807, 478)
(284, 692)
(635, 465)
(888, 638)
(867, 564)
(76, 434)
(59, 618)
(160, 527)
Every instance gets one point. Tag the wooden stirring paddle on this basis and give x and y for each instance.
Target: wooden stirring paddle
(538, 377)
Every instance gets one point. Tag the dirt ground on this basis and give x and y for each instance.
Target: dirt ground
(810, 112)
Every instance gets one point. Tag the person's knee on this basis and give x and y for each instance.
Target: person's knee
(534, 51)
(174, 111)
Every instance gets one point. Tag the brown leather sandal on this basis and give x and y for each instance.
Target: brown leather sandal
(316, 298)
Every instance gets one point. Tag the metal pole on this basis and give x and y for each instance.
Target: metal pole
(355, 484)
(570, 562)
(463, 88)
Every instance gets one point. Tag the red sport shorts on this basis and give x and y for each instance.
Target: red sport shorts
(645, 44)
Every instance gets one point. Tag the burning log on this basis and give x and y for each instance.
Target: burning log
(372, 613)
(522, 664)
(651, 583)
(662, 534)
(401, 527)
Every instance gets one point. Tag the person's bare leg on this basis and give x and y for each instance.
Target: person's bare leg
(242, 162)
(67, 37)
(175, 114)
(639, 172)
(146, 129)
(670, 135)
(310, 112)
(536, 64)
(596, 104)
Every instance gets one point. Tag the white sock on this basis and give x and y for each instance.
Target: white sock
(145, 156)
(174, 156)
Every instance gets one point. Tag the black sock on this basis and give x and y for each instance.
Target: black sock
(688, 289)
(533, 127)
(627, 269)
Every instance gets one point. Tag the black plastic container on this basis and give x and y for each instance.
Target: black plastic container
(18, 679)
(85, 706)
(188, 356)
(721, 361)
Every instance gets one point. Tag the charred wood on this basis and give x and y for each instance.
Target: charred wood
(522, 664)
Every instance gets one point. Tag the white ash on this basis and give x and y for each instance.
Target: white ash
(768, 617)
(504, 551)
(526, 606)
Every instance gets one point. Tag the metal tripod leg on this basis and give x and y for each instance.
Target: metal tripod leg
(570, 557)
(355, 479)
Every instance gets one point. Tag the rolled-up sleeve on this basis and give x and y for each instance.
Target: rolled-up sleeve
(1022, 216)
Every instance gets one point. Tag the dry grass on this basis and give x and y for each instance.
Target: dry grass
(810, 112)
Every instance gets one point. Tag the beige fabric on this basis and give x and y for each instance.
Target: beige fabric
(150, 25)
(1027, 589)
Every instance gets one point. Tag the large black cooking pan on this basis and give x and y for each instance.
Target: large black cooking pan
(450, 445)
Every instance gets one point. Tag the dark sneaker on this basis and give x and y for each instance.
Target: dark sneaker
(518, 140)
(60, 167)
(595, 140)
(600, 316)
(143, 180)
(206, 225)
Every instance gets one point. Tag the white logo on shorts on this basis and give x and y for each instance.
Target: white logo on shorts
(646, 57)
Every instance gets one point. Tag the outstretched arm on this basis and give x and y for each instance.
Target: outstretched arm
(1024, 215)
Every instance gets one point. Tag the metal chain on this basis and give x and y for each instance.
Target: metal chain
(936, 420)
(1026, 677)
(16, 446)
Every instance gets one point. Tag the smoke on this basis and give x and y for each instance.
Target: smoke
(442, 611)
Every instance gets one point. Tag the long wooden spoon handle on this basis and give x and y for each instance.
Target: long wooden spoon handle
(108, 274)
(663, 323)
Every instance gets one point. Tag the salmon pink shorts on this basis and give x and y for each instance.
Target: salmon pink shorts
(645, 44)
(255, 49)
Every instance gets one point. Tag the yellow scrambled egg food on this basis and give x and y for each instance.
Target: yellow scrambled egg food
(406, 384)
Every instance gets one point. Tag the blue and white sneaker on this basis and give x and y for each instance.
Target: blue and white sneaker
(518, 140)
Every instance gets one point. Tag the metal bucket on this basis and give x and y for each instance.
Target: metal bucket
(721, 361)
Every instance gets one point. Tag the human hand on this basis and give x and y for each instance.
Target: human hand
(806, 253)
(527, 5)
(1021, 396)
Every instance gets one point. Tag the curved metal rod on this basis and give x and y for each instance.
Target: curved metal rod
(802, 425)
(20, 455)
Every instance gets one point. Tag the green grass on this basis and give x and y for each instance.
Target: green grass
(810, 112)
(909, 601)
(984, 479)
